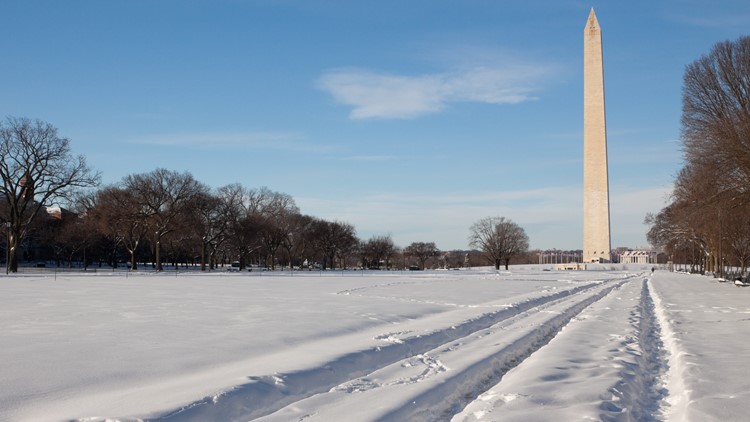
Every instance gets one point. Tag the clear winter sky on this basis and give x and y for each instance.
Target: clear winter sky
(408, 118)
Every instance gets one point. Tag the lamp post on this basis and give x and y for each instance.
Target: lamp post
(203, 253)
(7, 250)
(721, 240)
(158, 251)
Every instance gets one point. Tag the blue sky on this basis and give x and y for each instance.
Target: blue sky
(408, 118)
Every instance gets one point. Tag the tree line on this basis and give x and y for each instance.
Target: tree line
(166, 216)
(706, 224)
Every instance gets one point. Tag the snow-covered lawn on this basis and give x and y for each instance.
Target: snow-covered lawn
(447, 345)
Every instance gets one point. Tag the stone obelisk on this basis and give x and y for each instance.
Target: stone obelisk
(596, 231)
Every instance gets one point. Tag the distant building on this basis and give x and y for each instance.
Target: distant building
(556, 256)
(637, 257)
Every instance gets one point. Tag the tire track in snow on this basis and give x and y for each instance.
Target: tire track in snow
(266, 394)
(451, 396)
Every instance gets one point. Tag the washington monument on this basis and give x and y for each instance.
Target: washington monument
(596, 231)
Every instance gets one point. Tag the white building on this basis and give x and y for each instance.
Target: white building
(638, 257)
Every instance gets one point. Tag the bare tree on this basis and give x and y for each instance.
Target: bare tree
(715, 182)
(716, 116)
(377, 252)
(513, 238)
(246, 237)
(211, 224)
(37, 168)
(118, 214)
(694, 228)
(341, 239)
(73, 235)
(498, 239)
(241, 236)
(163, 196)
(736, 228)
(297, 240)
(276, 211)
(331, 239)
(482, 236)
(422, 251)
(259, 220)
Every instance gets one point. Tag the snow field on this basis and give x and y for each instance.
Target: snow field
(145, 346)
(468, 346)
(707, 331)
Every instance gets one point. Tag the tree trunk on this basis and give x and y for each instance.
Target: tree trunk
(13, 254)
(497, 264)
(133, 265)
(272, 257)
(203, 256)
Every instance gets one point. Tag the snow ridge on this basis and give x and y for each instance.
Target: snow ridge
(674, 406)
(267, 394)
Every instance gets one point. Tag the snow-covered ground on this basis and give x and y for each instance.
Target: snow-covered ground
(613, 345)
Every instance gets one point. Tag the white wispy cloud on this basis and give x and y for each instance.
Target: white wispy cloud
(231, 140)
(373, 94)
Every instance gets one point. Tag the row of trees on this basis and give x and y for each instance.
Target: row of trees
(168, 216)
(707, 224)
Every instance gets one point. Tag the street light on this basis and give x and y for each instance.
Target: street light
(158, 251)
(7, 250)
